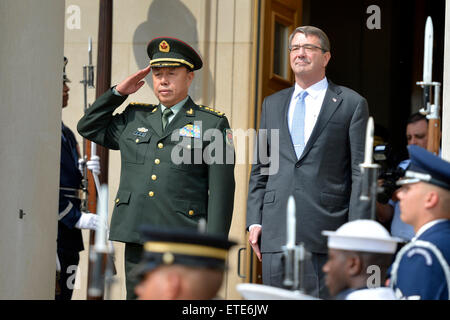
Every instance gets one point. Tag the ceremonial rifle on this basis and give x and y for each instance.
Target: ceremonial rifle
(104, 53)
(369, 172)
(88, 82)
(294, 255)
(431, 110)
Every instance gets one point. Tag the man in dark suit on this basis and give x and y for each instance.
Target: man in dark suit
(177, 156)
(321, 129)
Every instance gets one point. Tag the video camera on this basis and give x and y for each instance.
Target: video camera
(389, 171)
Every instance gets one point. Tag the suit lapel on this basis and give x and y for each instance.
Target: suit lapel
(284, 123)
(154, 119)
(330, 103)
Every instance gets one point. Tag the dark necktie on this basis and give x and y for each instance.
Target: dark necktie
(165, 117)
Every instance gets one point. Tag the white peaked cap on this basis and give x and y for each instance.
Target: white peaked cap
(362, 235)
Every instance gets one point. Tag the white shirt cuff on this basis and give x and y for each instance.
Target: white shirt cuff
(114, 90)
(253, 225)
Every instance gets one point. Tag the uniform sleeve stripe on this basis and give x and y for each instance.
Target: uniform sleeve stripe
(63, 213)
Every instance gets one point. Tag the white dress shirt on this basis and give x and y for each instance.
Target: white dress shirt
(313, 103)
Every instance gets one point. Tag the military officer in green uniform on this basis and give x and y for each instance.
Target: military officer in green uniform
(177, 157)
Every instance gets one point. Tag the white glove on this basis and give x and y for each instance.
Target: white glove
(88, 221)
(94, 165)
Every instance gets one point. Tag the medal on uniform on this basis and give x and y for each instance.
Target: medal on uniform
(229, 137)
(190, 130)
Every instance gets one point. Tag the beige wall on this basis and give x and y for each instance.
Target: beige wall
(31, 37)
(220, 30)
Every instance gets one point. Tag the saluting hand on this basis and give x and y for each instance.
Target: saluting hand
(133, 83)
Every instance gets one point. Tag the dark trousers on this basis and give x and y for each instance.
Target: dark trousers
(133, 255)
(313, 277)
(66, 278)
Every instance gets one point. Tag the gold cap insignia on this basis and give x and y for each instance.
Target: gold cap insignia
(164, 46)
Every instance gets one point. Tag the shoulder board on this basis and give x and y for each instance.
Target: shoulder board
(140, 104)
(151, 107)
(211, 110)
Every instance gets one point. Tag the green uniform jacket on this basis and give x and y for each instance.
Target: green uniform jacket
(153, 188)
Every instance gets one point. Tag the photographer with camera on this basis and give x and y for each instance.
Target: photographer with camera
(388, 209)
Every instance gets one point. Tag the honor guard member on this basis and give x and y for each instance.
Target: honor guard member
(177, 157)
(70, 218)
(421, 269)
(359, 253)
(181, 264)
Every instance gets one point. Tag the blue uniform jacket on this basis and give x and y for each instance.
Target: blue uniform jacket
(420, 274)
(69, 237)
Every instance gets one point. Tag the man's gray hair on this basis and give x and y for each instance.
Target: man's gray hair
(312, 31)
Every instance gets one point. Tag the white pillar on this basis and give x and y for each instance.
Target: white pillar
(31, 64)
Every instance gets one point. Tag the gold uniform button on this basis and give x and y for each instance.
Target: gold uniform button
(160, 145)
(191, 212)
(137, 140)
(154, 177)
(117, 200)
(168, 258)
(151, 193)
(157, 161)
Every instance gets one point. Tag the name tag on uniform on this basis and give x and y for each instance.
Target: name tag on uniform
(190, 130)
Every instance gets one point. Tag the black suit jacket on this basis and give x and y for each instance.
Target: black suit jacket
(325, 181)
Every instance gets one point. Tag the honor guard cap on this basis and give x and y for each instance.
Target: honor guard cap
(172, 52)
(362, 236)
(181, 246)
(65, 79)
(426, 167)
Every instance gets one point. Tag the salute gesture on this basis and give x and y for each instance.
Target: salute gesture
(133, 83)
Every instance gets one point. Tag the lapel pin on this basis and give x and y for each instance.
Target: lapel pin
(334, 99)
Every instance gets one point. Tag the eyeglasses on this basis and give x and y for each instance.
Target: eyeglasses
(307, 47)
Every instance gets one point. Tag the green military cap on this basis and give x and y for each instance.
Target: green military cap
(65, 79)
(163, 246)
(172, 52)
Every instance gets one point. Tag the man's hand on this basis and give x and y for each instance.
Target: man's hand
(94, 165)
(133, 83)
(253, 238)
(87, 221)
